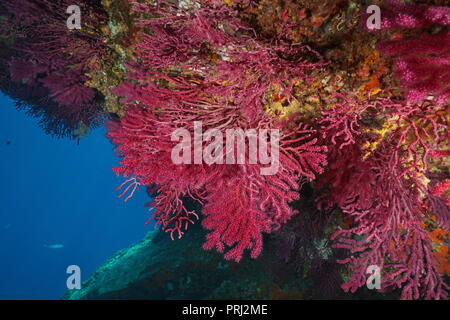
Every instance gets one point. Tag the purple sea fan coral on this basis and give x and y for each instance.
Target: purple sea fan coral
(66, 91)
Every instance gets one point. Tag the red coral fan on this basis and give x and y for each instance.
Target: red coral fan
(422, 63)
(269, 66)
(181, 36)
(211, 42)
(203, 64)
(397, 14)
(440, 188)
(385, 194)
(389, 232)
(66, 91)
(239, 203)
(47, 55)
(439, 198)
(211, 69)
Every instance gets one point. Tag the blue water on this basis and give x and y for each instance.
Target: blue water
(54, 191)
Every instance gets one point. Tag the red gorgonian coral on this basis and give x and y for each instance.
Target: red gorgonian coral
(377, 157)
(203, 63)
(239, 203)
(218, 75)
(49, 62)
(399, 14)
(385, 192)
(388, 232)
(422, 63)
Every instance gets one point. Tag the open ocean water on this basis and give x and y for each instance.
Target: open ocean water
(58, 207)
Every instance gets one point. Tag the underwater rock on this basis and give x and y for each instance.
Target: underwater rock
(159, 268)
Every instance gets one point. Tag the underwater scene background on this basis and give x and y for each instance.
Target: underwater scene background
(285, 149)
(57, 193)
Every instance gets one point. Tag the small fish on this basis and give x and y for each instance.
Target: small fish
(8, 143)
(54, 246)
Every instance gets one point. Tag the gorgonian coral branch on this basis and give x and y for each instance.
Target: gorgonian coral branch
(399, 14)
(422, 63)
(143, 140)
(49, 62)
(389, 233)
(384, 191)
(200, 63)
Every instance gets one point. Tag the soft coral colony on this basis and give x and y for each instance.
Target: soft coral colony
(204, 61)
(198, 69)
(46, 64)
(362, 120)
